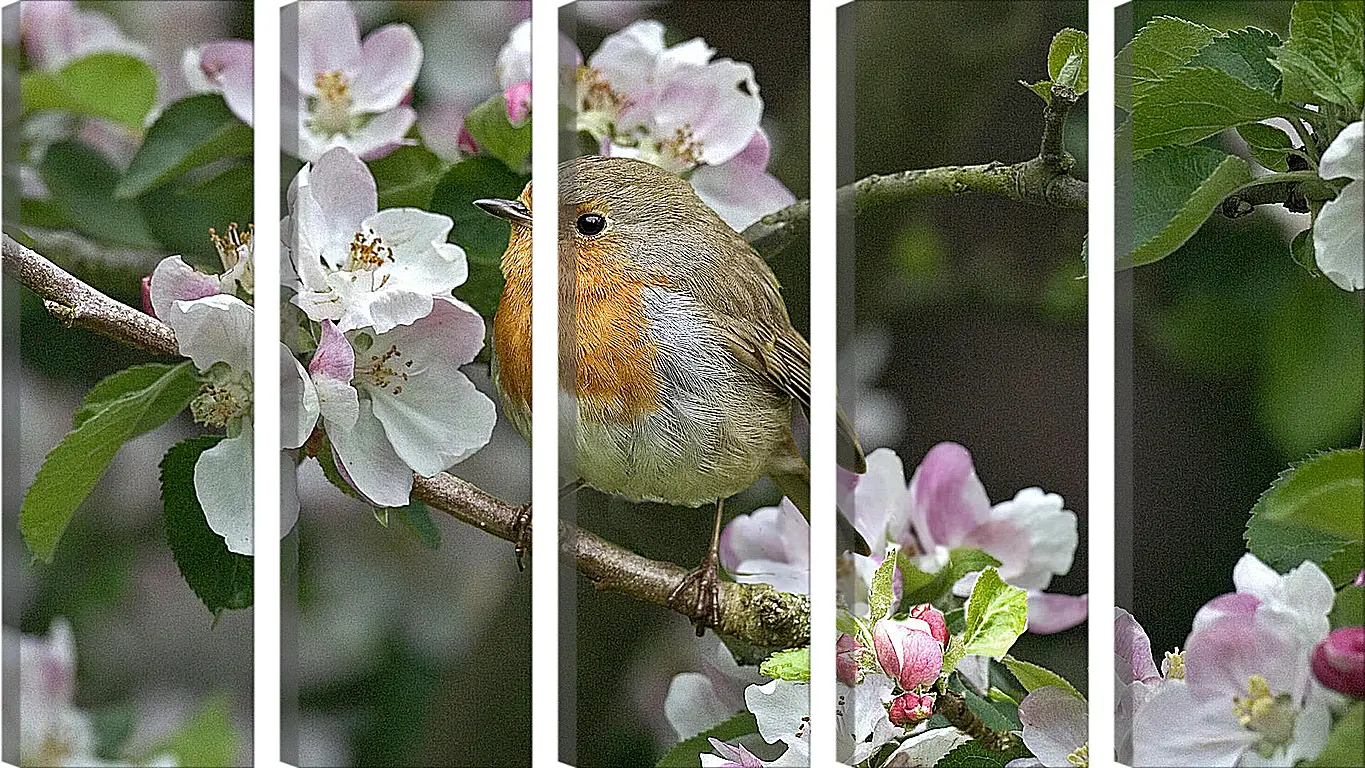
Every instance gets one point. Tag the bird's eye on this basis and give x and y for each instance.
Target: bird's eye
(592, 224)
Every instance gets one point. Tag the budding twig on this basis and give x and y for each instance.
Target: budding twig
(953, 706)
(754, 613)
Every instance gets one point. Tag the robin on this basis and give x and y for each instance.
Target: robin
(681, 360)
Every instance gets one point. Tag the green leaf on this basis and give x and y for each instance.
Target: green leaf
(1174, 191)
(1269, 146)
(489, 127)
(1032, 676)
(74, 466)
(1162, 46)
(1348, 610)
(116, 385)
(1244, 54)
(82, 183)
(920, 587)
(190, 133)
(687, 753)
(406, 177)
(208, 738)
(327, 460)
(973, 755)
(846, 623)
(483, 237)
(181, 212)
(792, 664)
(1322, 60)
(416, 518)
(112, 86)
(1194, 104)
(953, 654)
(1346, 743)
(1066, 44)
(881, 599)
(221, 578)
(996, 615)
(999, 716)
(1043, 88)
(1312, 512)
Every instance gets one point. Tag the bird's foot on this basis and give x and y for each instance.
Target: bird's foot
(697, 596)
(521, 534)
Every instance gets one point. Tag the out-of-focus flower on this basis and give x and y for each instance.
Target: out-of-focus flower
(1055, 729)
(1338, 242)
(740, 189)
(56, 32)
(441, 127)
(351, 94)
(846, 660)
(699, 701)
(1136, 678)
(1248, 694)
(513, 72)
(356, 265)
(782, 709)
(926, 748)
(1032, 535)
(911, 708)
(223, 66)
(907, 651)
(769, 546)
(729, 756)
(1339, 661)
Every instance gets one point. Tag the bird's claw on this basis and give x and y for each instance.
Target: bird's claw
(521, 534)
(697, 596)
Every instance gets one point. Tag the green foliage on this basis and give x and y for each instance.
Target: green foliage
(1163, 45)
(124, 409)
(83, 186)
(973, 755)
(1244, 54)
(1346, 744)
(687, 753)
(792, 664)
(112, 86)
(1322, 62)
(181, 212)
(1348, 610)
(1194, 103)
(1032, 676)
(1068, 61)
(482, 236)
(998, 715)
(1313, 512)
(1174, 191)
(881, 599)
(488, 125)
(416, 518)
(920, 587)
(221, 578)
(996, 615)
(191, 132)
(208, 738)
(406, 177)
(1268, 145)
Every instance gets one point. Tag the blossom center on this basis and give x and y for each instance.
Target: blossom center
(683, 149)
(1175, 665)
(1269, 715)
(368, 253)
(220, 401)
(234, 249)
(386, 371)
(332, 106)
(1081, 757)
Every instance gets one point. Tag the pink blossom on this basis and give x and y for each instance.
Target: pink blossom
(1339, 661)
(932, 616)
(846, 662)
(911, 708)
(907, 651)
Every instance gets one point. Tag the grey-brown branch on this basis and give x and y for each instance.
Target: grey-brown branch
(754, 613)
(1045, 180)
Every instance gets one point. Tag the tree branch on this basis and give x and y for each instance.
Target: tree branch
(756, 614)
(953, 706)
(1045, 180)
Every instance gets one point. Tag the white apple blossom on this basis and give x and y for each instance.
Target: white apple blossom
(782, 709)
(769, 546)
(1056, 729)
(356, 265)
(352, 93)
(226, 67)
(1338, 243)
(57, 32)
(861, 725)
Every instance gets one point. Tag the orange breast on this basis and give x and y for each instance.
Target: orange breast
(613, 359)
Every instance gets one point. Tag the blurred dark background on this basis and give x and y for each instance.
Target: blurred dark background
(1242, 362)
(965, 318)
(627, 652)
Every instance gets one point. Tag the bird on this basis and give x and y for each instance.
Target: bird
(678, 363)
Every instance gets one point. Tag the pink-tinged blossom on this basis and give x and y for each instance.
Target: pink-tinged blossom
(700, 700)
(910, 709)
(55, 33)
(1339, 661)
(938, 626)
(769, 546)
(356, 265)
(1055, 729)
(907, 651)
(782, 709)
(226, 67)
(352, 94)
(740, 189)
(846, 660)
(862, 725)
(725, 755)
(513, 73)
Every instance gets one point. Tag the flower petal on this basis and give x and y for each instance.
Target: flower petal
(329, 41)
(214, 329)
(741, 190)
(298, 401)
(1132, 650)
(1049, 612)
(223, 482)
(769, 546)
(1338, 242)
(369, 461)
(173, 280)
(391, 56)
(1174, 728)
(1055, 724)
(946, 498)
(226, 67)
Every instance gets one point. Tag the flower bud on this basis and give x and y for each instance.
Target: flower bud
(907, 652)
(846, 660)
(932, 616)
(1339, 661)
(910, 708)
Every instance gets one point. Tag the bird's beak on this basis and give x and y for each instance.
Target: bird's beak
(511, 210)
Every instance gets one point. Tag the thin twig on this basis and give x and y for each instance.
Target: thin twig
(953, 707)
(756, 614)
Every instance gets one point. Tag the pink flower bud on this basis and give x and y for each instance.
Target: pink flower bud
(910, 708)
(518, 98)
(932, 616)
(908, 652)
(846, 662)
(147, 295)
(1360, 579)
(1339, 661)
